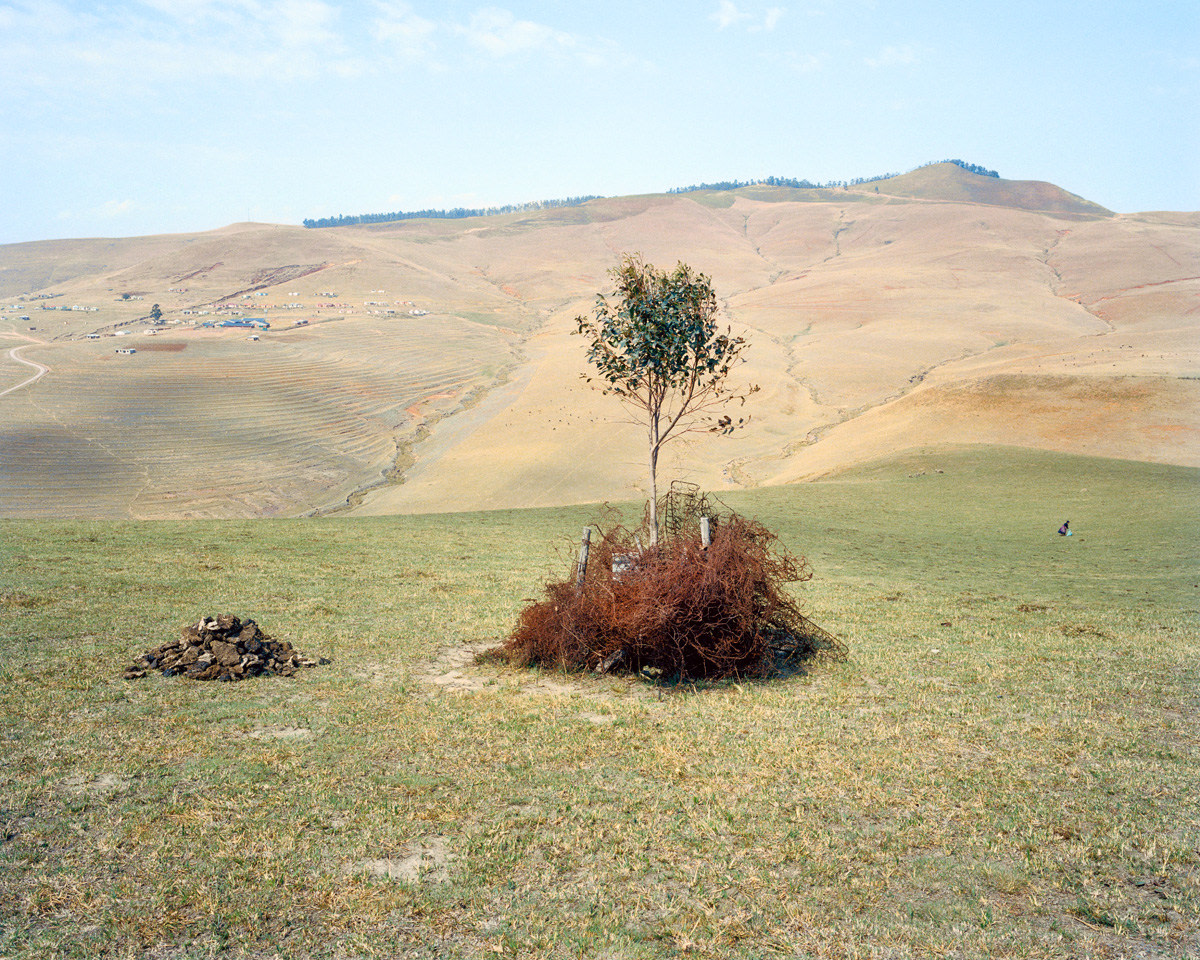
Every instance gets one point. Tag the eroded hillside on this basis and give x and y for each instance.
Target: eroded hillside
(440, 354)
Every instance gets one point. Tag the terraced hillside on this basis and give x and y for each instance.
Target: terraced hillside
(935, 309)
(213, 424)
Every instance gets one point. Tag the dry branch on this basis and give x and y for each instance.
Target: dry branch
(679, 608)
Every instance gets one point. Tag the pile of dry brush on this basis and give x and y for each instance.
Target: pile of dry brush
(679, 609)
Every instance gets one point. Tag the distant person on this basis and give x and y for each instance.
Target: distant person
(1065, 529)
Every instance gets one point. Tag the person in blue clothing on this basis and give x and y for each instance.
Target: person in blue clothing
(1065, 529)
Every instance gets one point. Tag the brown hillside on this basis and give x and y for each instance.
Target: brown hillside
(439, 353)
(950, 182)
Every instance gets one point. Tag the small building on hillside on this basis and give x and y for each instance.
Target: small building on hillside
(246, 322)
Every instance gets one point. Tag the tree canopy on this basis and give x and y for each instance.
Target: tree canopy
(656, 345)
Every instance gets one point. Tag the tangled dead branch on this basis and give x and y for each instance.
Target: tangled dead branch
(678, 609)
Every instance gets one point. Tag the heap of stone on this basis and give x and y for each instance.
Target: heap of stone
(221, 648)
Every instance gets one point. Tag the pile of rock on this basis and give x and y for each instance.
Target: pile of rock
(221, 648)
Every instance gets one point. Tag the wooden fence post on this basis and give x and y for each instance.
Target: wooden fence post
(584, 543)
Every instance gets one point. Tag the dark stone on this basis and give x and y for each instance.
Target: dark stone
(221, 648)
(225, 653)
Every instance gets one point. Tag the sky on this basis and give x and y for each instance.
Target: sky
(133, 117)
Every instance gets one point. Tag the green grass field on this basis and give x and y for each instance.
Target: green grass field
(1006, 766)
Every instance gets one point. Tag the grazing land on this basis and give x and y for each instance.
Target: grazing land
(211, 424)
(425, 366)
(1005, 767)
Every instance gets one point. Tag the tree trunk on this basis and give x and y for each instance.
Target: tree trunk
(653, 488)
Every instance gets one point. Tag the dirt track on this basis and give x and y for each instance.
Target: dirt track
(14, 354)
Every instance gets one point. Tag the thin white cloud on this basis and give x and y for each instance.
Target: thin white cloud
(805, 62)
(132, 49)
(402, 29)
(500, 34)
(197, 11)
(47, 44)
(727, 15)
(902, 56)
(307, 23)
(109, 210)
(115, 209)
(491, 33)
(295, 23)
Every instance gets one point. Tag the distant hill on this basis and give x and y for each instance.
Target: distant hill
(949, 182)
(798, 184)
(425, 365)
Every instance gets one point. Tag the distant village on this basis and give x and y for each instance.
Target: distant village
(228, 313)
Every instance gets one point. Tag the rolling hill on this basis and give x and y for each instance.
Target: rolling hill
(428, 365)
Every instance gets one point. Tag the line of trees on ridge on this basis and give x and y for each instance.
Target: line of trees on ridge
(827, 185)
(458, 213)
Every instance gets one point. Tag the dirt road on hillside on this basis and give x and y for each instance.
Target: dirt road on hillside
(14, 354)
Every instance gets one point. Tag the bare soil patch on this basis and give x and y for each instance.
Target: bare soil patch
(162, 346)
(281, 733)
(424, 861)
(105, 783)
(450, 668)
(468, 668)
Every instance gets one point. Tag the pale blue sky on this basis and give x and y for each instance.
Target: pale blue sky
(126, 117)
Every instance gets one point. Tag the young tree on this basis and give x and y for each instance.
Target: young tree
(656, 345)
